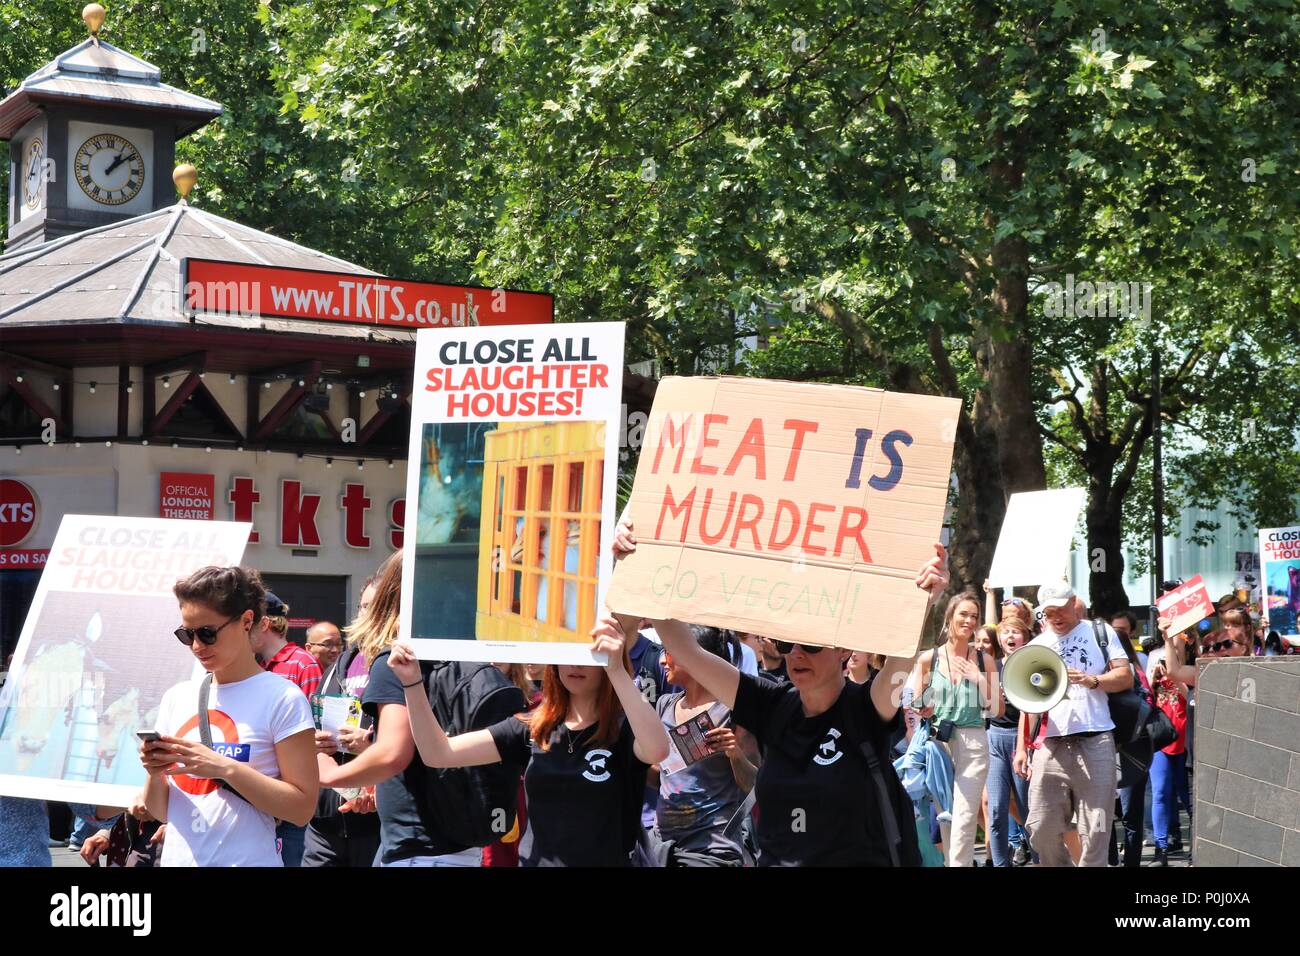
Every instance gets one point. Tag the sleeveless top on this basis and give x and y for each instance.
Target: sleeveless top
(958, 702)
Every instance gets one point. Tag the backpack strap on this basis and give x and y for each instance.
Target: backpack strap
(205, 728)
(884, 802)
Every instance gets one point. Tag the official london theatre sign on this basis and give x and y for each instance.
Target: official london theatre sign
(793, 510)
(238, 288)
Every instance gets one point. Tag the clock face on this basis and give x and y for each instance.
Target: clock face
(109, 169)
(33, 170)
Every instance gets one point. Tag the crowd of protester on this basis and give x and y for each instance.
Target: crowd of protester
(691, 746)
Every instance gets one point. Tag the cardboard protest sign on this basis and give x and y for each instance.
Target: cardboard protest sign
(801, 512)
(97, 653)
(507, 546)
(1279, 555)
(1186, 606)
(1034, 545)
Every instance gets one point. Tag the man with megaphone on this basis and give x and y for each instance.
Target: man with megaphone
(1065, 675)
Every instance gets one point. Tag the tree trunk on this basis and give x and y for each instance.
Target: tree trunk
(1104, 517)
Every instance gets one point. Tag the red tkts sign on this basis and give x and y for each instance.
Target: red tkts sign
(18, 512)
(182, 495)
(276, 292)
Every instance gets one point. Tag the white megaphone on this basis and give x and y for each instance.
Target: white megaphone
(1035, 679)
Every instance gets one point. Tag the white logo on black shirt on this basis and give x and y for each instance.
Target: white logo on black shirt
(596, 771)
(827, 753)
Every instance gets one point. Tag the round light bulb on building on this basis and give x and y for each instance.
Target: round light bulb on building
(129, 387)
(92, 387)
(144, 441)
(361, 394)
(360, 464)
(266, 384)
(167, 382)
(329, 386)
(232, 379)
(300, 383)
(18, 449)
(390, 463)
(108, 444)
(56, 386)
(329, 462)
(18, 378)
(208, 449)
(76, 444)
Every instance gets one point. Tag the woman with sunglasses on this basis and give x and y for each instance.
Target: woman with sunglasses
(223, 801)
(956, 684)
(818, 798)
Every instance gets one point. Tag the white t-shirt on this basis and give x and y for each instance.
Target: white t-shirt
(748, 660)
(1082, 709)
(207, 825)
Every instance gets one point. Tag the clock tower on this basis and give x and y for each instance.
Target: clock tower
(92, 140)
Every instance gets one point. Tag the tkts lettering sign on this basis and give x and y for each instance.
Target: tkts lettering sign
(300, 514)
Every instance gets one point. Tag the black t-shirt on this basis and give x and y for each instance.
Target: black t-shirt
(406, 825)
(583, 806)
(1010, 718)
(777, 675)
(817, 804)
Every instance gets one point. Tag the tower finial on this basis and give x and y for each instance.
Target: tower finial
(185, 176)
(93, 14)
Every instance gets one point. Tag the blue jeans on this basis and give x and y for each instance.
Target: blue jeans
(1001, 784)
(293, 840)
(1132, 804)
(1168, 777)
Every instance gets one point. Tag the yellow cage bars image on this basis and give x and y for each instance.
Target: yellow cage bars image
(539, 539)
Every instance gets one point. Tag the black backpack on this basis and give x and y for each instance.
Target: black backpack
(471, 806)
(1141, 728)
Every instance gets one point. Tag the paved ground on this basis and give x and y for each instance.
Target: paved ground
(63, 856)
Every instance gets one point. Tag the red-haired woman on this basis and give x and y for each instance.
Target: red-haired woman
(586, 749)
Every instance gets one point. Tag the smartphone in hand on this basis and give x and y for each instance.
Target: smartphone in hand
(148, 736)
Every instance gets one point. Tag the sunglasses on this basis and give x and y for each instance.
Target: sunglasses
(1015, 602)
(784, 647)
(1220, 646)
(206, 634)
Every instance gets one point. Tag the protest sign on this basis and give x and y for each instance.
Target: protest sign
(1186, 606)
(1279, 555)
(801, 512)
(507, 546)
(1037, 531)
(97, 653)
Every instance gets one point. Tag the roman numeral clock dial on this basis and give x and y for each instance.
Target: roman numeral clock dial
(109, 169)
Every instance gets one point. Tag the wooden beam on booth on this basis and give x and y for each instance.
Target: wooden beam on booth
(381, 418)
(288, 402)
(31, 399)
(123, 400)
(168, 411)
(192, 362)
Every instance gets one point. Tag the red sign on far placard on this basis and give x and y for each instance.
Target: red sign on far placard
(1186, 606)
(241, 288)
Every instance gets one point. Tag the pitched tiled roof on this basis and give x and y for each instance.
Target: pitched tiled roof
(129, 272)
(102, 74)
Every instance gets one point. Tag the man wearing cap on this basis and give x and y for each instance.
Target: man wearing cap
(1074, 770)
(279, 656)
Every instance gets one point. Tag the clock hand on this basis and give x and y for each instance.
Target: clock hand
(121, 158)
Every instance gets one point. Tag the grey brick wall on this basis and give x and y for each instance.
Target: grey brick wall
(1246, 748)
